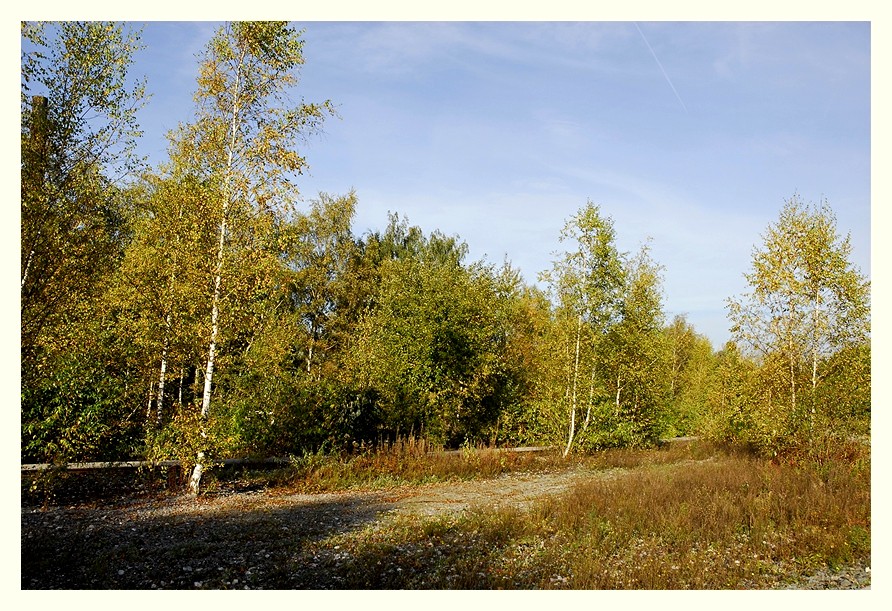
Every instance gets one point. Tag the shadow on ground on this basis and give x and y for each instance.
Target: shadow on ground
(228, 541)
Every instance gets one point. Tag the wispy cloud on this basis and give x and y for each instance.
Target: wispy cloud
(394, 50)
(663, 70)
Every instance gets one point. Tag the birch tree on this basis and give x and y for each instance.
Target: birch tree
(636, 356)
(79, 105)
(807, 303)
(78, 111)
(159, 286)
(586, 285)
(244, 140)
(690, 361)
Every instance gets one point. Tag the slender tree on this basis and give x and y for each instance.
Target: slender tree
(78, 131)
(586, 285)
(636, 355)
(808, 302)
(79, 128)
(690, 360)
(243, 139)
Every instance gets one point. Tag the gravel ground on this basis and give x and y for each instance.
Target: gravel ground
(847, 578)
(245, 539)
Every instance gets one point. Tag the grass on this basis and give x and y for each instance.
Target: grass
(723, 522)
(687, 516)
(406, 462)
(413, 462)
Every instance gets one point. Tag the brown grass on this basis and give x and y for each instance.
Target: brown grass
(726, 523)
(722, 520)
(406, 462)
(690, 515)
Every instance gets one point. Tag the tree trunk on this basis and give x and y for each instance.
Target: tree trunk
(195, 480)
(182, 377)
(162, 377)
(573, 397)
(149, 403)
(310, 348)
(618, 389)
(591, 394)
(159, 404)
(792, 382)
(39, 128)
(814, 354)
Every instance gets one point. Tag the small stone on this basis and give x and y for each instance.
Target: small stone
(120, 571)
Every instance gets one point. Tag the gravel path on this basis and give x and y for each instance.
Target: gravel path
(258, 538)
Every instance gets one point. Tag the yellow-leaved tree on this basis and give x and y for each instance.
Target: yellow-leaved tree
(244, 140)
(808, 308)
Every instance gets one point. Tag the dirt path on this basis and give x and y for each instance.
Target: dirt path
(259, 539)
(176, 541)
(518, 490)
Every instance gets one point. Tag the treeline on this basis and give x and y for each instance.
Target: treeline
(203, 310)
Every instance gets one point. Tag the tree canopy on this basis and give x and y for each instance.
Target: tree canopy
(207, 308)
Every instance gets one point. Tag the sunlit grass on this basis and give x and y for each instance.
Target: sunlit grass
(722, 521)
(406, 462)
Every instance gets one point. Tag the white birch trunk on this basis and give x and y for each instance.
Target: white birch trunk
(591, 395)
(618, 389)
(149, 403)
(195, 480)
(28, 266)
(572, 431)
(180, 393)
(159, 404)
(814, 354)
(310, 350)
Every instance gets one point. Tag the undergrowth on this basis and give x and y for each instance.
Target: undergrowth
(406, 462)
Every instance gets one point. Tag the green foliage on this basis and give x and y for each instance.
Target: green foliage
(429, 346)
(690, 362)
(606, 342)
(210, 277)
(635, 355)
(74, 407)
(180, 438)
(804, 320)
(78, 129)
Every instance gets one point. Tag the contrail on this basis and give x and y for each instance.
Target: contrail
(656, 59)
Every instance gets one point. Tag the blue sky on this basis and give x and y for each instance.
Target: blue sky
(690, 134)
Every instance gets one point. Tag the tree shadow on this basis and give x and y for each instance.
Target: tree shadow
(233, 541)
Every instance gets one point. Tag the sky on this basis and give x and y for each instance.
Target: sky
(689, 135)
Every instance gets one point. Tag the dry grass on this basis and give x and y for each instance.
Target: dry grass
(723, 522)
(685, 516)
(406, 462)
(726, 523)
